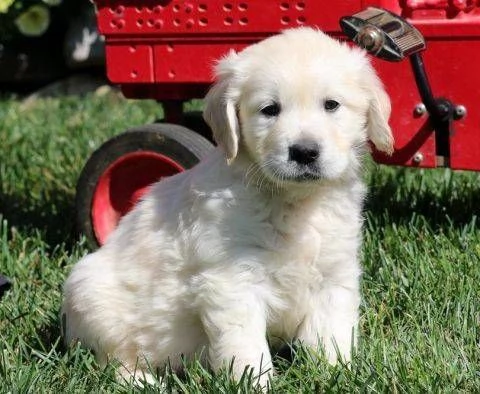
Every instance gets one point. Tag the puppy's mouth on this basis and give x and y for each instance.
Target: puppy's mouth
(302, 176)
(295, 173)
(306, 177)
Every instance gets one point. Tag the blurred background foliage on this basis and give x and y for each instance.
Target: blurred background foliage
(39, 38)
(21, 20)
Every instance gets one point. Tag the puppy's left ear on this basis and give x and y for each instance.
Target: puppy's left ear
(378, 130)
(220, 111)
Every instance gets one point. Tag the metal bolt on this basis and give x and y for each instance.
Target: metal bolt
(460, 111)
(420, 109)
(370, 38)
(417, 157)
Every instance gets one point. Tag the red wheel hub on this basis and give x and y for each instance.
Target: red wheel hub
(124, 182)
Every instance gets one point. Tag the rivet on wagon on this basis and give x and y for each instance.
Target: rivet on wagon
(420, 109)
(118, 23)
(417, 158)
(300, 5)
(460, 111)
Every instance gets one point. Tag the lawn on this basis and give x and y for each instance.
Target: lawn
(420, 314)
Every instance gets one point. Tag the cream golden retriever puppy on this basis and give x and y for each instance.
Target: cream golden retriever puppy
(259, 242)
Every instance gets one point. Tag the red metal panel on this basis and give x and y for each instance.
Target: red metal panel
(177, 41)
(189, 62)
(129, 63)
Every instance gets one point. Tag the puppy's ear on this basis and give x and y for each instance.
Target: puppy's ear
(378, 130)
(220, 111)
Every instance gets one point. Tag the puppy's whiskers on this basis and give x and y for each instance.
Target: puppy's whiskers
(255, 176)
(361, 150)
(252, 175)
(279, 180)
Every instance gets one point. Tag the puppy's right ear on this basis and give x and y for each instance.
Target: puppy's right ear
(220, 111)
(378, 128)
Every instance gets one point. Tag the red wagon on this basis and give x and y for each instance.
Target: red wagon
(165, 49)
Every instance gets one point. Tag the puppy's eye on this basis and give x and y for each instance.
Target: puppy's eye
(271, 110)
(331, 105)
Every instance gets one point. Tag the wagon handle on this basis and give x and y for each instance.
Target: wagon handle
(390, 37)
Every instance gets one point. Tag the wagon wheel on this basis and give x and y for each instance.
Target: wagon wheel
(121, 170)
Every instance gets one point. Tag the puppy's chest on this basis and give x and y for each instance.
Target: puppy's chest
(296, 236)
(295, 272)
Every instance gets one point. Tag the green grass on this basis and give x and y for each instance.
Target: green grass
(421, 257)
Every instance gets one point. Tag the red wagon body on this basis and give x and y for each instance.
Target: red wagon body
(166, 49)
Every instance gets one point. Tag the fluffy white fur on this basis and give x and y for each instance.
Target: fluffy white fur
(250, 244)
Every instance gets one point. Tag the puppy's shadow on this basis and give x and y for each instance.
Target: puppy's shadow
(284, 355)
(49, 336)
(441, 197)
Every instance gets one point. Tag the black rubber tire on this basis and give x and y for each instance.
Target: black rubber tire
(178, 143)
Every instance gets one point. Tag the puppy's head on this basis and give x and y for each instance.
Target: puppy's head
(301, 105)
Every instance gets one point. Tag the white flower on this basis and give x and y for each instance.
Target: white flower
(5, 5)
(34, 21)
(52, 2)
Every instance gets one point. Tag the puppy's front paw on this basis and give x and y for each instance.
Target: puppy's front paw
(139, 378)
(329, 350)
(259, 380)
(338, 354)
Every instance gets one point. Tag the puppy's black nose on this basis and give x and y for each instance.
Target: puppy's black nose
(304, 153)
